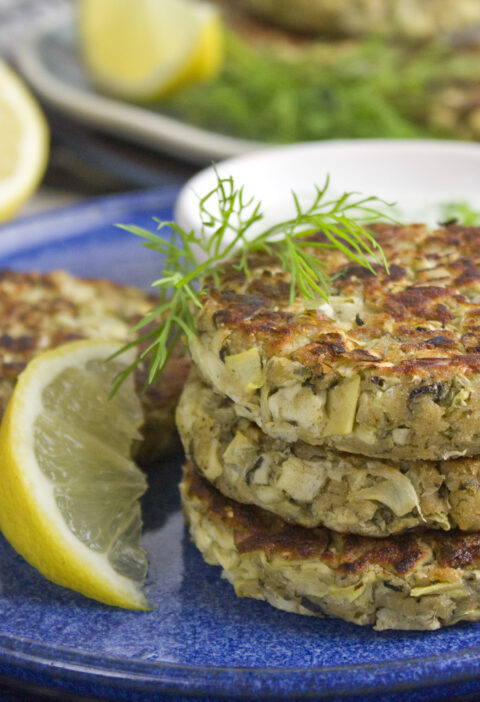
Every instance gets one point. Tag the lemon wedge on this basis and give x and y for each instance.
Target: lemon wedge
(143, 49)
(69, 498)
(23, 143)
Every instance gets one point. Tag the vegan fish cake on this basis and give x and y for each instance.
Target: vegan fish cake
(389, 367)
(314, 486)
(42, 311)
(413, 581)
(417, 18)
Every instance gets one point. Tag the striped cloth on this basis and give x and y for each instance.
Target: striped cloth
(18, 17)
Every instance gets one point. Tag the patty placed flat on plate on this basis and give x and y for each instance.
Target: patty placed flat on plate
(41, 311)
(413, 581)
(390, 367)
(314, 485)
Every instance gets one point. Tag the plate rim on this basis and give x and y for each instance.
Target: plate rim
(148, 127)
(238, 682)
(36, 229)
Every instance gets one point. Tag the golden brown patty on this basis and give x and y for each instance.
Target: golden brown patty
(411, 18)
(42, 311)
(314, 485)
(389, 368)
(413, 581)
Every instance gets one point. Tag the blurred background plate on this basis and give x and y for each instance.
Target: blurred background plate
(48, 60)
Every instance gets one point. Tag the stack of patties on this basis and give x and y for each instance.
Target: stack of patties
(332, 447)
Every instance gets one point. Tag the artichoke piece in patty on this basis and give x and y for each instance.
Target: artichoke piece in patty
(389, 367)
(39, 311)
(412, 581)
(314, 486)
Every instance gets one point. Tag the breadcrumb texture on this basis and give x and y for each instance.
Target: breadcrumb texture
(40, 311)
(390, 367)
(415, 581)
(314, 485)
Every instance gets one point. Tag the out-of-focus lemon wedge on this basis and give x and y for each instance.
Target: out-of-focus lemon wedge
(69, 498)
(23, 143)
(143, 49)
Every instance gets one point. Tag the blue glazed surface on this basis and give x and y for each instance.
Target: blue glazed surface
(200, 640)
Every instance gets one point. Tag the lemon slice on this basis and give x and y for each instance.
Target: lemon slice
(143, 49)
(23, 143)
(69, 498)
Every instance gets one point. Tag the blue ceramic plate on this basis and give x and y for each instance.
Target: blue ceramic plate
(200, 641)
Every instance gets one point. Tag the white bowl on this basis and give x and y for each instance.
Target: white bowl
(420, 176)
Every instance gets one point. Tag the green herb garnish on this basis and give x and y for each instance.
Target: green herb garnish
(372, 87)
(227, 217)
(460, 212)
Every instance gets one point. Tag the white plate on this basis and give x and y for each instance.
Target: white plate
(49, 60)
(419, 176)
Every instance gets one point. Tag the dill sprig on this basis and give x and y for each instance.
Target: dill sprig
(330, 89)
(227, 218)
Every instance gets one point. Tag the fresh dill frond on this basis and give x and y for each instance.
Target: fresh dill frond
(227, 218)
(370, 87)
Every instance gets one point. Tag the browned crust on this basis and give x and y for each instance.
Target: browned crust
(255, 529)
(425, 307)
(458, 550)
